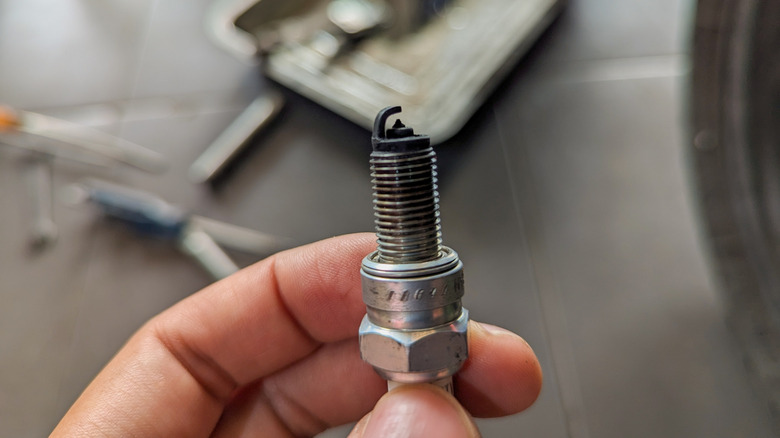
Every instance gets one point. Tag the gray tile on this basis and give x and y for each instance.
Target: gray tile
(603, 163)
(603, 29)
(480, 221)
(179, 58)
(65, 53)
(40, 294)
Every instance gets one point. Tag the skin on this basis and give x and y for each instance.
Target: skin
(272, 351)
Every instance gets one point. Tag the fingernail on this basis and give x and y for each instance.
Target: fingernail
(360, 427)
(496, 330)
(500, 331)
(413, 411)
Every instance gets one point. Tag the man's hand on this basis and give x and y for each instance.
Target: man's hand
(273, 351)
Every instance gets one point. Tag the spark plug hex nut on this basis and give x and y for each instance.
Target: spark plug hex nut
(414, 356)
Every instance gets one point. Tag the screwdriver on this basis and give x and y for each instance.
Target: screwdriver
(9, 119)
(196, 236)
(95, 147)
(38, 175)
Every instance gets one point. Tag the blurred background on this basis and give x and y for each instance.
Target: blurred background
(566, 194)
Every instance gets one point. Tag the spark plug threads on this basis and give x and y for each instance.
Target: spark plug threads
(406, 206)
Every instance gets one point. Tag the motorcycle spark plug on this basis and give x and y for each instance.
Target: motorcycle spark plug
(415, 329)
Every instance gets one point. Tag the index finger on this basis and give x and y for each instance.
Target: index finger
(275, 312)
(178, 371)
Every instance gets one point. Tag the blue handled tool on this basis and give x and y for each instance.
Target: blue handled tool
(196, 236)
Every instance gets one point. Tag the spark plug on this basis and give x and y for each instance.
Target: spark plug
(415, 329)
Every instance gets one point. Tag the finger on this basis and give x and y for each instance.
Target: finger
(502, 375)
(334, 386)
(417, 411)
(273, 313)
(185, 363)
(360, 427)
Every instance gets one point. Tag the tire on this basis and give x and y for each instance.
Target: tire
(736, 161)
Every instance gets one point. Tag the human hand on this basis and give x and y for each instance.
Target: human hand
(272, 351)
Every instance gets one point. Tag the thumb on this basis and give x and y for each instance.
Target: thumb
(412, 411)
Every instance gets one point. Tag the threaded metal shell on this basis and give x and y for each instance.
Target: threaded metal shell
(406, 206)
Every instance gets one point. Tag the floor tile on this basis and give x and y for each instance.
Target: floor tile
(652, 355)
(40, 295)
(59, 53)
(179, 58)
(603, 29)
(480, 221)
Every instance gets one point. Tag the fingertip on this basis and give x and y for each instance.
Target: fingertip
(417, 411)
(360, 427)
(502, 375)
(320, 285)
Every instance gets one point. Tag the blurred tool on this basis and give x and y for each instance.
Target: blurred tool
(278, 23)
(196, 236)
(74, 142)
(439, 59)
(355, 17)
(38, 178)
(348, 22)
(410, 15)
(47, 138)
(236, 137)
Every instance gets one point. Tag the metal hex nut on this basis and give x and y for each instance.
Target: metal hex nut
(442, 348)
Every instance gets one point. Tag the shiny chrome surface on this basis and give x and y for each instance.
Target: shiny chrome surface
(415, 356)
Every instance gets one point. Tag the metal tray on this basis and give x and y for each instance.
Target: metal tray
(440, 73)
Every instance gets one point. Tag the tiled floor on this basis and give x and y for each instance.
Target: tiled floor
(565, 195)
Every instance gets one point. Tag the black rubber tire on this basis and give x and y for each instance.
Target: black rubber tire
(736, 160)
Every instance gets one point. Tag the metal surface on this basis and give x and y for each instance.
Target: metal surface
(415, 356)
(202, 248)
(43, 228)
(415, 329)
(413, 292)
(356, 16)
(233, 140)
(240, 238)
(440, 71)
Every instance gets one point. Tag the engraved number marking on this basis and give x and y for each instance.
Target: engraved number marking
(419, 294)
